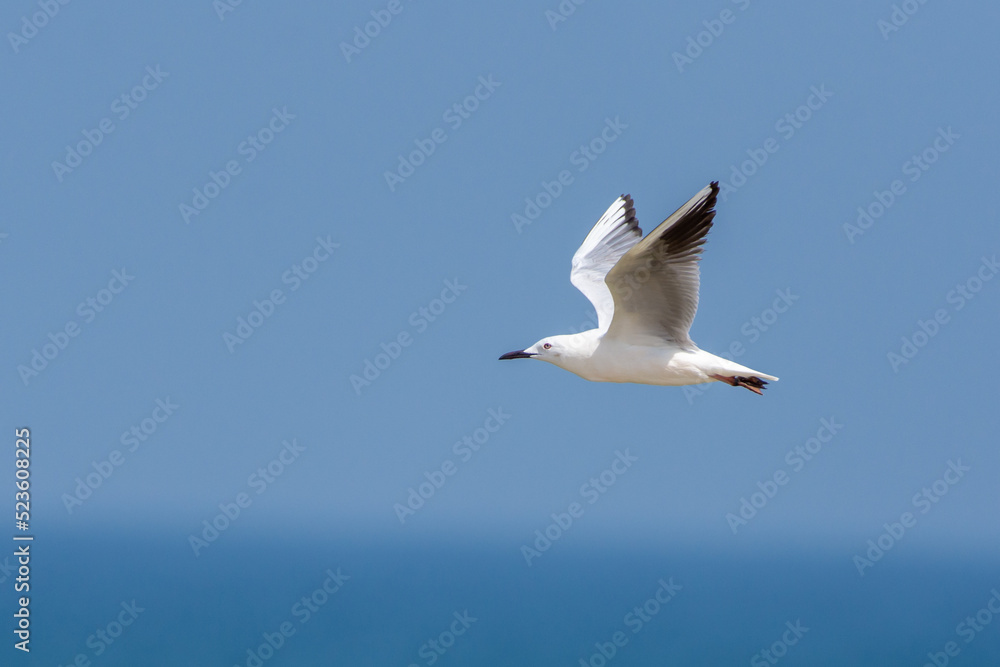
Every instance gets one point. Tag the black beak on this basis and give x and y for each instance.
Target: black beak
(518, 354)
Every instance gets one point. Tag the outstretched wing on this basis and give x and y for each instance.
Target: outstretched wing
(611, 237)
(655, 284)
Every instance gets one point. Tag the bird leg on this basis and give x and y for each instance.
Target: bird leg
(754, 384)
(728, 380)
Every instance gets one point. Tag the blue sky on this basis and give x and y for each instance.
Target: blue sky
(281, 138)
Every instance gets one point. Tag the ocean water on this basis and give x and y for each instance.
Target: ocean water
(481, 604)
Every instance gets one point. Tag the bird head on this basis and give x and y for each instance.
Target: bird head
(553, 349)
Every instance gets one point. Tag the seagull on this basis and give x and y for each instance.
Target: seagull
(645, 291)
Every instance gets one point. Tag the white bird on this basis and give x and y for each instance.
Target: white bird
(645, 291)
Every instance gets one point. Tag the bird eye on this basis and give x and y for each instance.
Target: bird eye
(547, 346)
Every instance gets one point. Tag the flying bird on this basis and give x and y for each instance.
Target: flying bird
(645, 291)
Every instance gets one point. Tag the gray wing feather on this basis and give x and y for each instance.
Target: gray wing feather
(655, 284)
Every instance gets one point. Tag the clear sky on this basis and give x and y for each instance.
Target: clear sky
(214, 218)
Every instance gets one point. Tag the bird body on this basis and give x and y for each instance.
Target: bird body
(645, 291)
(600, 359)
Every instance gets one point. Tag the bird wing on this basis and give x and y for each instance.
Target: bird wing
(655, 284)
(611, 237)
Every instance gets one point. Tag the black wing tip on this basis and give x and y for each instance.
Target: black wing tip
(711, 199)
(629, 205)
(706, 209)
(630, 220)
(687, 235)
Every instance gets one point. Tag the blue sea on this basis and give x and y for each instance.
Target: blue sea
(294, 598)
